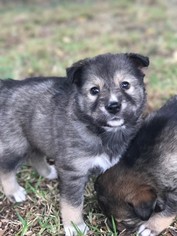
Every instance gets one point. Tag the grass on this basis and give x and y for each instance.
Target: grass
(43, 38)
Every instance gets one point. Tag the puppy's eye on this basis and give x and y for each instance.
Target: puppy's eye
(125, 85)
(130, 204)
(94, 91)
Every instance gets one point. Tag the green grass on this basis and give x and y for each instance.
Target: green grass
(43, 38)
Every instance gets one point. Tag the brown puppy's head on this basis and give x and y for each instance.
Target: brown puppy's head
(110, 89)
(127, 198)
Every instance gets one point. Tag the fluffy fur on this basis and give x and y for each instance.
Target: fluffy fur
(141, 190)
(84, 122)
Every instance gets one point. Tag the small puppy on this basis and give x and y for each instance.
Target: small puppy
(84, 122)
(141, 190)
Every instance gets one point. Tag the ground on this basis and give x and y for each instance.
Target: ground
(43, 38)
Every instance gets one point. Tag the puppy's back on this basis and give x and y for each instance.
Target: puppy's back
(155, 146)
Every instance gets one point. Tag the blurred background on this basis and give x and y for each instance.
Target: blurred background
(42, 37)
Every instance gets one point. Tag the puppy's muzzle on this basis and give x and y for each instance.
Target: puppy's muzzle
(113, 107)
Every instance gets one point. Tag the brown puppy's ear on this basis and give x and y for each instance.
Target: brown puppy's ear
(140, 61)
(143, 202)
(160, 204)
(74, 73)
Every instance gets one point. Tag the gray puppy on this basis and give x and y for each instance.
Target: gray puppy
(84, 122)
(141, 190)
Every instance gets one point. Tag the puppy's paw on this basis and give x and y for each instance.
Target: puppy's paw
(144, 231)
(18, 196)
(53, 173)
(75, 230)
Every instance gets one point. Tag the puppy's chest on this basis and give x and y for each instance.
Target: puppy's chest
(97, 157)
(104, 162)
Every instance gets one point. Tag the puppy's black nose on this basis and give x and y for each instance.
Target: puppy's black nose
(113, 107)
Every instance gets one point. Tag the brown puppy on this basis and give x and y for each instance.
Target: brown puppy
(141, 190)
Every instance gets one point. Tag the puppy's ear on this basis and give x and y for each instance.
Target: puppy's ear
(143, 202)
(160, 204)
(140, 61)
(74, 73)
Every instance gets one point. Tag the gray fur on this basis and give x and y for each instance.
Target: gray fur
(142, 188)
(61, 119)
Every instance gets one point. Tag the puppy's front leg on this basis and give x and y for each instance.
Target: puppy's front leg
(72, 218)
(71, 204)
(155, 225)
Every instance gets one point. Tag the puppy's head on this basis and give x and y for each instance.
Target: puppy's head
(127, 198)
(110, 88)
